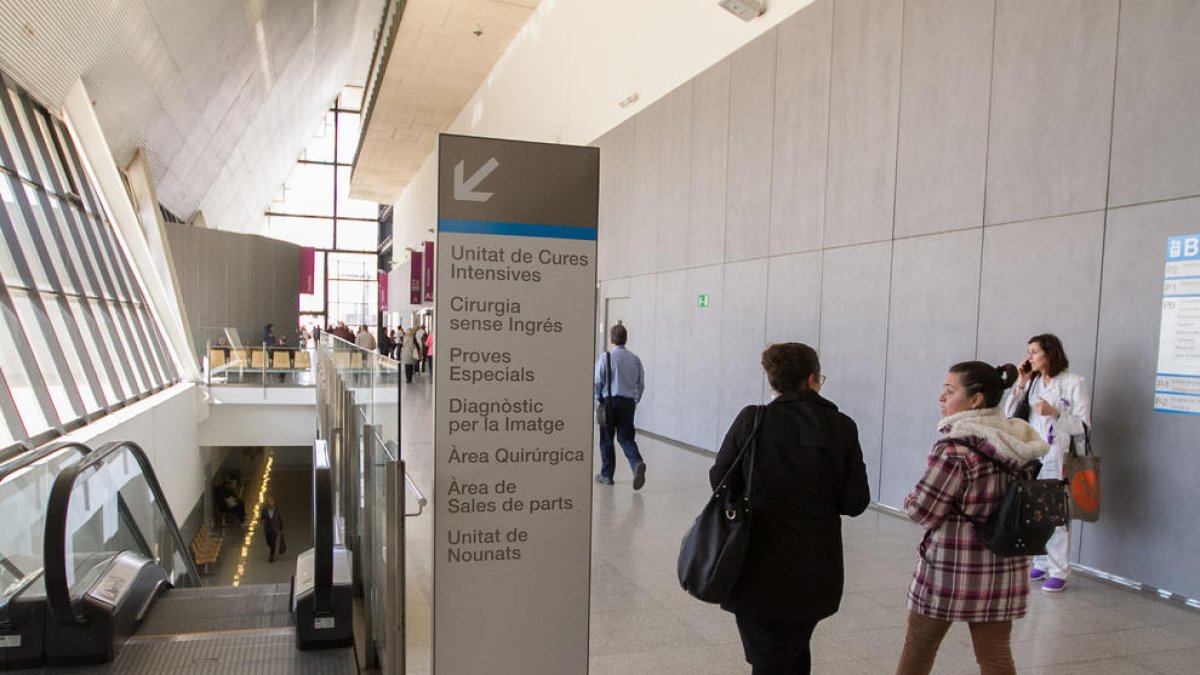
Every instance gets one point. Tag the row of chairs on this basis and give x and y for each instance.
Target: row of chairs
(206, 547)
(256, 357)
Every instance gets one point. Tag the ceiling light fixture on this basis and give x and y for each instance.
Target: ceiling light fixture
(746, 10)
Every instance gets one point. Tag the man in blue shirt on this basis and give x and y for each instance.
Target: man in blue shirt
(618, 383)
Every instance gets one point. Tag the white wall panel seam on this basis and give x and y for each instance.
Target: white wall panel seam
(1083, 527)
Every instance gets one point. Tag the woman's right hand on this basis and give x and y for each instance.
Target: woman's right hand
(1024, 373)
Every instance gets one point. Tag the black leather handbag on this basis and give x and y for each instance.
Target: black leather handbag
(714, 549)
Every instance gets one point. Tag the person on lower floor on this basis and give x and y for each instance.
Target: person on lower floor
(618, 383)
(1056, 404)
(272, 523)
(807, 472)
(958, 578)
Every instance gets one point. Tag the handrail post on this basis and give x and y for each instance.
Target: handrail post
(396, 564)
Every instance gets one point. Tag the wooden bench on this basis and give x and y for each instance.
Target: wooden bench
(206, 548)
(281, 359)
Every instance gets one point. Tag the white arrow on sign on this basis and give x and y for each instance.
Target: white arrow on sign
(464, 190)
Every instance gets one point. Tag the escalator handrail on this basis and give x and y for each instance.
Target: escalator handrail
(54, 558)
(18, 462)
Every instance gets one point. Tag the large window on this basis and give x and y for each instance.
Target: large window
(314, 209)
(77, 339)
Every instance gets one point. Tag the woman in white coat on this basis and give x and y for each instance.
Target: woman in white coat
(1058, 407)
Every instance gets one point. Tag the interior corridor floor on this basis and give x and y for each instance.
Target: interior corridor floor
(244, 553)
(642, 623)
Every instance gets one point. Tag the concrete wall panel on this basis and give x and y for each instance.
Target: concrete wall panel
(1052, 92)
(1156, 140)
(651, 144)
(794, 298)
(617, 165)
(943, 115)
(751, 115)
(642, 325)
(932, 322)
(1149, 458)
(670, 364)
(702, 350)
(1042, 277)
(710, 156)
(853, 340)
(743, 325)
(865, 101)
(674, 231)
(801, 129)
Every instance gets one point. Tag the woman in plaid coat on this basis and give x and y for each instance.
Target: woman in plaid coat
(957, 578)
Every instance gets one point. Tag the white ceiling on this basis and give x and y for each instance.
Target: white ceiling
(434, 68)
(222, 94)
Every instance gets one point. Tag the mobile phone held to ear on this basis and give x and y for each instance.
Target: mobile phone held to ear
(1026, 367)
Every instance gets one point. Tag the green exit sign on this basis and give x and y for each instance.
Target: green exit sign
(702, 300)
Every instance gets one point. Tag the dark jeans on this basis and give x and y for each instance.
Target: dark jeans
(408, 372)
(272, 537)
(776, 647)
(621, 411)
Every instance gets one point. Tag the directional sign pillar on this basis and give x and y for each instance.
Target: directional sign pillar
(516, 279)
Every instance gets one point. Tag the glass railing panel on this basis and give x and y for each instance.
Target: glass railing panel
(113, 509)
(25, 484)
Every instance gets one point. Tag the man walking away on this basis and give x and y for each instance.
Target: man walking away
(618, 383)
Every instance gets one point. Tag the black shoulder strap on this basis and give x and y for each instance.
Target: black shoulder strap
(758, 416)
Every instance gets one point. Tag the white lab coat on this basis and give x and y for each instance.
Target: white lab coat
(1066, 391)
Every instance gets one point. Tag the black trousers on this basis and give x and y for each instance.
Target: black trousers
(776, 647)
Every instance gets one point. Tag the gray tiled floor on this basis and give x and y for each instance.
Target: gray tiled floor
(642, 623)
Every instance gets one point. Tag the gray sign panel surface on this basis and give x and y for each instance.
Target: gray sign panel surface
(535, 183)
(516, 278)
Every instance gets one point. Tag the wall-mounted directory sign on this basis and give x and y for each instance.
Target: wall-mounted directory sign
(1177, 383)
(516, 289)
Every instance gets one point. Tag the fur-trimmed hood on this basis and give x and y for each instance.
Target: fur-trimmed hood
(1010, 439)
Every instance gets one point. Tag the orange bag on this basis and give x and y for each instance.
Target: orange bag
(1081, 471)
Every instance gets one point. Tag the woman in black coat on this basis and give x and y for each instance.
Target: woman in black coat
(808, 472)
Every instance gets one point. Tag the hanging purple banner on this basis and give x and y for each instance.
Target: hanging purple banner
(414, 279)
(429, 271)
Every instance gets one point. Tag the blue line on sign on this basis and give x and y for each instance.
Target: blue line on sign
(1187, 295)
(1174, 393)
(1190, 377)
(1194, 276)
(1177, 412)
(517, 229)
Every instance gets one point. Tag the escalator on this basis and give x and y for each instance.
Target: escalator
(114, 583)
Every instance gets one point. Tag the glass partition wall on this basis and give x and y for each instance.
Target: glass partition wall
(358, 411)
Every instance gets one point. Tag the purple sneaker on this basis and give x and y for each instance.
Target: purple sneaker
(1036, 574)
(1054, 585)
